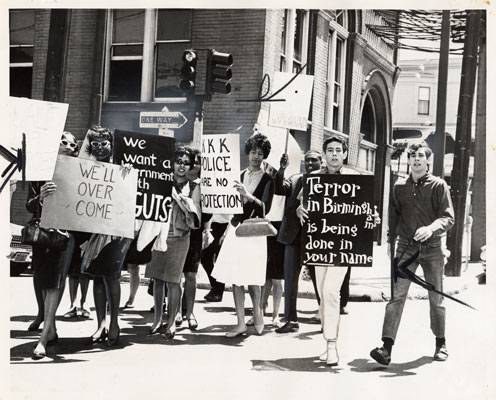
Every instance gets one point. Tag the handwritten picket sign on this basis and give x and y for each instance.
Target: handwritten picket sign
(152, 156)
(220, 167)
(339, 230)
(91, 196)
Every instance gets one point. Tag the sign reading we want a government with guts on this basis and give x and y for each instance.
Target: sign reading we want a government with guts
(152, 156)
(339, 229)
(219, 169)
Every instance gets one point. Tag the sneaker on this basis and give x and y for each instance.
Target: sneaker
(441, 353)
(381, 355)
(288, 327)
(72, 313)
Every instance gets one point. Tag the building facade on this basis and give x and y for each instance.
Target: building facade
(116, 63)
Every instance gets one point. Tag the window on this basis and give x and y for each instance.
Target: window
(335, 78)
(294, 40)
(21, 27)
(146, 47)
(424, 96)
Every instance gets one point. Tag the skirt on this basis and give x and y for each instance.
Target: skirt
(109, 261)
(241, 260)
(168, 265)
(50, 267)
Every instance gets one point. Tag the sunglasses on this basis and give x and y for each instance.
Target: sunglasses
(181, 162)
(96, 145)
(65, 142)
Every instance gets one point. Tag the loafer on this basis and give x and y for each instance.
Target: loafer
(213, 298)
(381, 355)
(441, 353)
(288, 327)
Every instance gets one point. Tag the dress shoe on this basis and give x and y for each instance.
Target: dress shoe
(288, 327)
(343, 311)
(441, 353)
(332, 358)
(38, 354)
(213, 298)
(381, 355)
(158, 329)
(100, 338)
(72, 313)
(53, 341)
(192, 322)
(111, 342)
(237, 331)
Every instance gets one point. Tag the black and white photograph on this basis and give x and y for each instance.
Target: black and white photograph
(268, 200)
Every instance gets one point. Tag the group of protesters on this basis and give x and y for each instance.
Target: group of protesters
(173, 251)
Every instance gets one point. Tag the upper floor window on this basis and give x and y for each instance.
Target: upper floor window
(424, 97)
(294, 40)
(21, 29)
(335, 77)
(145, 52)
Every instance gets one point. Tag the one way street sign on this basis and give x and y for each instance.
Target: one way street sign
(157, 119)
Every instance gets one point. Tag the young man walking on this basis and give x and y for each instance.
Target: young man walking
(421, 212)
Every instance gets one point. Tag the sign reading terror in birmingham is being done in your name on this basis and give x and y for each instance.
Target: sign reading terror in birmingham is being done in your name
(152, 155)
(219, 169)
(339, 230)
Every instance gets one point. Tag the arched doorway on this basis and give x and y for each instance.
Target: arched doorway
(375, 130)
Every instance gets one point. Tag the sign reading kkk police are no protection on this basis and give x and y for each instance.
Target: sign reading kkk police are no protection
(152, 156)
(219, 169)
(339, 230)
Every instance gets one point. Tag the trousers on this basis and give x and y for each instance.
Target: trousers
(432, 263)
(329, 281)
(292, 268)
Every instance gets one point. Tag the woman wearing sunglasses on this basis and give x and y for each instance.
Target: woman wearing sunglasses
(50, 265)
(103, 255)
(167, 266)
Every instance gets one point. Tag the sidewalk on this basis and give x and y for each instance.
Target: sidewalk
(373, 284)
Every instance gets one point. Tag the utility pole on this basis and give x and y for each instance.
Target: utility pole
(479, 180)
(442, 86)
(57, 39)
(459, 175)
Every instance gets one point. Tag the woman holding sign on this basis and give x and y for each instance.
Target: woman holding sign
(103, 255)
(50, 265)
(167, 264)
(257, 189)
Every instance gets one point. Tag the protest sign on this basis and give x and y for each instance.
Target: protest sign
(292, 113)
(339, 230)
(91, 196)
(219, 169)
(152, 156)
(43, 123)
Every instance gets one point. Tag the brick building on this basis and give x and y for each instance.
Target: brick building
(116, 63)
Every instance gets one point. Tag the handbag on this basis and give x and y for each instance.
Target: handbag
(34, 234)
(256, 227)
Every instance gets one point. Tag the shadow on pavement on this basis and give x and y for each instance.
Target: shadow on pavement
(392, 370)
(61, 352)
(309, 364)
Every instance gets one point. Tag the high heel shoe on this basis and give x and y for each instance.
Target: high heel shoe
(101, 338)
(259, 328)
(192, 322)
(157, 329)
(111, 342)
(38, 354)
(53, 341)
(169, 335)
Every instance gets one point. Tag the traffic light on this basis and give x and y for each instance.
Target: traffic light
(219, 72)
(188, 71)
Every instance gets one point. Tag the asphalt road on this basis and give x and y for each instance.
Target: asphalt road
(204, 364)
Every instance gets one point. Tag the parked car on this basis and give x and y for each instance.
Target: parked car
(20, 254)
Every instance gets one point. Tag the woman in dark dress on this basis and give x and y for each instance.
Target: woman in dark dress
(50, 265)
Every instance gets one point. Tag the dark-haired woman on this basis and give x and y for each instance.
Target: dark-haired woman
(50, 265)
(103, 255)
(242, 260)
(166, 266)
